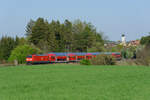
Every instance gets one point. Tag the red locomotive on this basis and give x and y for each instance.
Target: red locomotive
(65, 57)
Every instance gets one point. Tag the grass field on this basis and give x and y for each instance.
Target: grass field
(74, 82)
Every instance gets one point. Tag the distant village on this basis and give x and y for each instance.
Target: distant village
(123, 42)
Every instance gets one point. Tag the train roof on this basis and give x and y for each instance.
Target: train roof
(77, 53)
(82, 53)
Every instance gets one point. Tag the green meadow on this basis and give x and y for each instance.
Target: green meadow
(74, 82)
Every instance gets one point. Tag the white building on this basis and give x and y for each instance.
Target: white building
(123, 40)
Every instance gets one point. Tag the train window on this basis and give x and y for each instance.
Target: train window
(73, 56)
(52, 57)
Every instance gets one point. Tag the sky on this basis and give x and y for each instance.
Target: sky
(113, 17)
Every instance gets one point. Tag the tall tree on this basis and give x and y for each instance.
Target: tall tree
(29, 27)
(56, 36)
(51, 39)
(85, 36)
(78, 42)
(7, 44)
(68, 35)
(38, 31)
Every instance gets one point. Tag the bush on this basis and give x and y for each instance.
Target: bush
(103, 60)
(21, 52)
(85, 62)
(143, 56)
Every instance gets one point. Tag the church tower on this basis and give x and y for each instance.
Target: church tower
(123, 40)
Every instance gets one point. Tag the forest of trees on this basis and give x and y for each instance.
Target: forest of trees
(63, 37)
(54, 36)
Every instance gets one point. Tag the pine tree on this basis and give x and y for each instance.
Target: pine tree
(56, 29)
(7, 44)
(51, 39)
(38, 31)
(29, 28)
(68, 35)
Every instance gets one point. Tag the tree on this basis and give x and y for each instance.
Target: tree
(21, 52)
(55, 36)
(85, 37)
(38, 31)
(7, 44)
(99, 37)
(89, 36)
(68, 36)
(78, 38)
(20, 41)
(51, 40)
(29, 27)
(145, 40)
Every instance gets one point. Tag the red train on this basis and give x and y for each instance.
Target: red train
(66, 57)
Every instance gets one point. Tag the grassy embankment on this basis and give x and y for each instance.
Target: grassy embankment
(74, 82)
